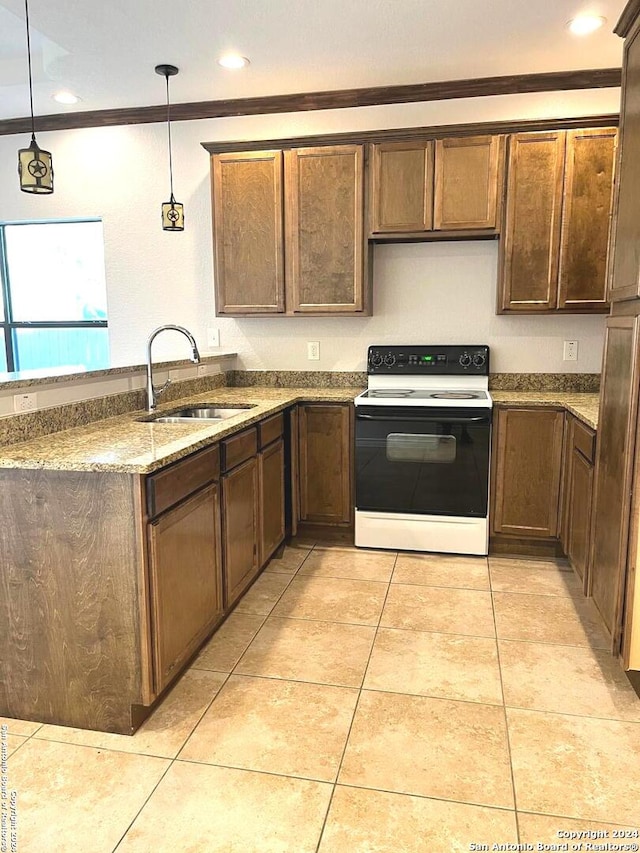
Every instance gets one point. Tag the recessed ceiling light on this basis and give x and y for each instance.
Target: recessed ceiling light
(233, 60)
(67, 98)
(585, 24)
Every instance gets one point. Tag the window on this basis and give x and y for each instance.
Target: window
(53, 306)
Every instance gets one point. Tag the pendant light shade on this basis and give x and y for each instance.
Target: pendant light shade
(172, 210)
(35, 166)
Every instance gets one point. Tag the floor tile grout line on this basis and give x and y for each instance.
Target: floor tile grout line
(138, 813)
(504, 713)
(171, 763)
(427, 797)
(355, 707)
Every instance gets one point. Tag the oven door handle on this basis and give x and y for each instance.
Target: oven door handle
(439, 418)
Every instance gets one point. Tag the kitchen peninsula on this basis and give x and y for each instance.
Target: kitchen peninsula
(118, 528)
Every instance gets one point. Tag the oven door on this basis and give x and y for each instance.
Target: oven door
(432, 461)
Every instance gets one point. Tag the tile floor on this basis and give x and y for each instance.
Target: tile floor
(360, 702)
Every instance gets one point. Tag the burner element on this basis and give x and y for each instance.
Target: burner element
(455, 395)
(392, 392)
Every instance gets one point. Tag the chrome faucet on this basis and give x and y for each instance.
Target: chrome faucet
(153, 392)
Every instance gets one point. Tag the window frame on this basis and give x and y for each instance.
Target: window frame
(8, 324)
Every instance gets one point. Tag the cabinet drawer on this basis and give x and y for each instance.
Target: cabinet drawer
(238, 448)
(584, 440)
(176, 482)
(271, 429)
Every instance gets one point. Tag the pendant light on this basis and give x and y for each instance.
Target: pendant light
(35, 166)
(172, 210)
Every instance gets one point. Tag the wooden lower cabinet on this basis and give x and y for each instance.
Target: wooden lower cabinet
(325, 434)
(526, 472)
(185, 573)
(272, 515)
(578, 495)
(614, 474)
(240, 520)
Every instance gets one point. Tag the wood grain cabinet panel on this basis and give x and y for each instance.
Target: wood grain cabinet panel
(186, 594)
(467, 173)
(240, 520)
(248, 232)
(272, 511)
(586, 219)
(324, 229)
(531, 232)
(451, 184)
(289, 232)
(401, 187)
(625, 266)
(579, 503)
(527, 471)
(614, 470)
(326, 462)
(554, 251)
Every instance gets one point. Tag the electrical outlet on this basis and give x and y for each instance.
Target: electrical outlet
(202, 369)
(570, 352)
(213, 337)
(313, 350)
(25, 402)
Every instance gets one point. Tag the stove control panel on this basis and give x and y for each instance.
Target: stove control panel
(416, 359)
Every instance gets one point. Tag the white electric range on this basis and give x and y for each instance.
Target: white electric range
(423, 438)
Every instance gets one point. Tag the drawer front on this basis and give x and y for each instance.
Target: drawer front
(238, 448)
(176, 482)
(584, 440)
(271, 429)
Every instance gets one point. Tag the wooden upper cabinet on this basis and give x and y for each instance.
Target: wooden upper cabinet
(625, 267)
(426, 186)
(324, 229)
(401, 187)
(531, 233)
(553, 255)
(586, 215)
(467, 173)
(248, 232)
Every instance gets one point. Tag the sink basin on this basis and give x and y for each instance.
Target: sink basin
(199, 413)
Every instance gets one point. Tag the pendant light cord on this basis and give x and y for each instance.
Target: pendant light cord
(169, 134)
(33, 127)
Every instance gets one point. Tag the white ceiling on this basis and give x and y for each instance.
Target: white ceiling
(106, 51)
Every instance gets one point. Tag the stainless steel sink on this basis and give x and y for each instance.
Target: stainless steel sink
(199, 413)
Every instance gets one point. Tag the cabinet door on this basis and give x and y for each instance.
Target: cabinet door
(527, 470)
(248, 232)
(401, 187)
(240, 528)
(466, 182)
(531, 231)
(579, 499)
(625, 267)
(586, 215)
(613, 471)
(271, 478)
(185, 578)
(324, 230)
(326, 460)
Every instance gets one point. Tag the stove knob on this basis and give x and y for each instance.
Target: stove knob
(465, 360)
(376, 359)
(478, 359)
(389, 360)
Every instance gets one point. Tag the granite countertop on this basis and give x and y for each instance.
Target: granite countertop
(125, 444)
(583, 406)
(128, 445)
